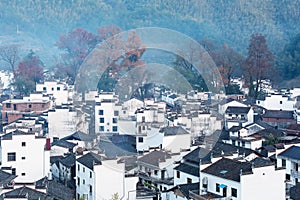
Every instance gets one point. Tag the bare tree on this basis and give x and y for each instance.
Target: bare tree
(10, 55)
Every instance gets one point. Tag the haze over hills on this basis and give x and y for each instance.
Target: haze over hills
(230, 22)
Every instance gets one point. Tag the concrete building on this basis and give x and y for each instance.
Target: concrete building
(26, 154)
(61, 92)
(277, 102)
(98, 178)
(14, 109)
(107, 111)
(257, 179)
(238, 116)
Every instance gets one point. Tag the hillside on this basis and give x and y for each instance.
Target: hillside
(224, 21)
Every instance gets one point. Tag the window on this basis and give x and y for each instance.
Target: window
(217, 187)
(13, 171)
(78, 166)
(116, 113)
(91, 189)
(115, 128)
(283, 162)
(44, 88)
(101, 128)
(11, 156)
(91, 174)
(114, 120)
(58, 88)
(23, 144)
(15, 107)
(78, 181)
(23, 174)
(83, 169)
(233, 192)
(101, 120)
(141, 139)
(280, 102)
(287, 177)
(155, 172)
(101, 112)
(52, 89)
(29, 106)
(83, 181)
(143, 118)
(189, 180)
(8, 105)
(178, 174)
(23, 158)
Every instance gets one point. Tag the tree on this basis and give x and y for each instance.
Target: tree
(10, 55)
(29, 71)
(77, 44)
(258, 64)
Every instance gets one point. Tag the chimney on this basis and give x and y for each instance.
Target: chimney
(48, 144)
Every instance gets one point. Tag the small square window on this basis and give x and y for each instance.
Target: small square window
(29, 106)
(44, 88)
(11, 156)
(23, 158)
(23, 144)
(101, 112)
(52, 89)
(141, 139)
(280, 102)
(101, 120)
(101, 128)
(189, 180)
(114, 120)
(115, 128)
(116, 113)
(23, 174)
(8, 105)
(58, 88)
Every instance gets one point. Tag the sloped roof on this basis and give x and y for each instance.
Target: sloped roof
(24, 191)
(281, 114)
(64, 143)
(188, 169)
(293, 153)
(90, 159)
(155, 157)
(173, 130)
(228, 169)
(68, 161)
(5, 177)
(186, 188)
(237, 110)
(80, 136)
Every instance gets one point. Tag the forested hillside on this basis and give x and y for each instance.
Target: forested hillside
(224, 21)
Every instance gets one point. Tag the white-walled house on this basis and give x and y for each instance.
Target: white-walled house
(258, 179)
(100, 179)
(107, 111)
(223, 106)
(61, 92)
(290, 160)
(27, 154)
(238, 116)
(277, 102)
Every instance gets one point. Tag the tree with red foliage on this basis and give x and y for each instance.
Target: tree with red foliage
(29, 72)
(77, 44)
(258, 64)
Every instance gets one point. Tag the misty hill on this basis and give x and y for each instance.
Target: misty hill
(224, 21)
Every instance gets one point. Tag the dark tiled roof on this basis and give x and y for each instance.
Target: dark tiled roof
(155, 157)
(173, 96)
(282, 114)
(261, 162)
(5, 177)
(266, 133)
(118, 145)
(59, 191)
(90, 159)
(186, 188)
(237, 110)
(173, 130)
(293, 152)
(188, 169)
(197, 154)
(80, 136)
(295, 191)
(64, 143)
(8, 136)
(228, 169)
(68, 161)
(53, 159)
(235, 128)
(24, 191)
